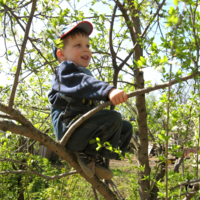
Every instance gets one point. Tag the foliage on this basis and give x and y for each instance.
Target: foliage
(129, 36)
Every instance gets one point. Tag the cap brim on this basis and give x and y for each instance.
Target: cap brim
(85, 25)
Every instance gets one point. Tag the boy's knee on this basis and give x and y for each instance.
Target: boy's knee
(127, 127)
(128, 124)
(115, 117)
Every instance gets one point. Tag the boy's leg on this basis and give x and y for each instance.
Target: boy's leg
(126, 134)
(106, 125)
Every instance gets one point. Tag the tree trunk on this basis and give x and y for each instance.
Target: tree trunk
(133, 24)
(144, 185)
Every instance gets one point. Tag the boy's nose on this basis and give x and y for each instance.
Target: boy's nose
(86, 49)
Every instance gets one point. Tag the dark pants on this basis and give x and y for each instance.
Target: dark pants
(107, 125)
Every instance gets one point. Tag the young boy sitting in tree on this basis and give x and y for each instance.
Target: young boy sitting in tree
(75, 91)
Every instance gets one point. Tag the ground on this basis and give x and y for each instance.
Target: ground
(125, 162)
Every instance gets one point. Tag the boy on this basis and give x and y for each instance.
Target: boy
(74, 92)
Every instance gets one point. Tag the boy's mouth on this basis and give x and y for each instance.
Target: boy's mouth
(85, 57)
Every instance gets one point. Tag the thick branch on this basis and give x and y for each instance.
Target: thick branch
(60, 150)
(16, 115)
(21, 55)
(69, 132)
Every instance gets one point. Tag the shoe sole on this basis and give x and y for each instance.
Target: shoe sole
(84, 167)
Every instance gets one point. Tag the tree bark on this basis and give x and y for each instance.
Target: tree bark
(28, 130)
(144, 185)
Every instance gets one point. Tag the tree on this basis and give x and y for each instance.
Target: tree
(133, 36)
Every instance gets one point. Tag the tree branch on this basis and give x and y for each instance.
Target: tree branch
(107, 53)
(16, 115)
(26, 4)
(195, 188)
(111, 41)
(188, 195)
(186, 183)
(11, 101)
(125, 15)
(69, 132)
(33, 171)
(60, 150)
(6, 117)
(123, 82)
(116, 190)
(48, 178)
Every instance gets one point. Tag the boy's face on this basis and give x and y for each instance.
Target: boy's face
(77, 50)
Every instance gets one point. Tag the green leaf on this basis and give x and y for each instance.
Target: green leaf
(171, 11)
(142, 168)
(92, 141)
(164, 60)
(98, 148)
(143, 60)
(176, 2)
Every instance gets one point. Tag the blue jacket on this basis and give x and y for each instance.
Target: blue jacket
(76, 82)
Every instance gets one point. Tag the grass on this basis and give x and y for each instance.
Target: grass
(75, 187)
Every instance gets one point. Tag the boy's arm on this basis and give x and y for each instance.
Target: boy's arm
(117, 96)
(71, 81)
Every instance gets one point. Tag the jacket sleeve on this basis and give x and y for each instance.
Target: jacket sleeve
(71, 81)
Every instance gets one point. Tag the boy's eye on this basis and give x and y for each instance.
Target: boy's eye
(88, 46)
(78, 45)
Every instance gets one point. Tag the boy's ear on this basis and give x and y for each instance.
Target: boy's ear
(60, 54)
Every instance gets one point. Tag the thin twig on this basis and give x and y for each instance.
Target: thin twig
(17, 150)
(111, 41)
(153, 182)
(167, 133)
(116, 190)
(125, 15)
(180, 192)
(186, 183)
(48, 178)
(95, 193)
(33, 171)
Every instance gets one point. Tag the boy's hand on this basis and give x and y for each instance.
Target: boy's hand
(117, 96)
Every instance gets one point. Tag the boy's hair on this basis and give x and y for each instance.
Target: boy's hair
(72, 34)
